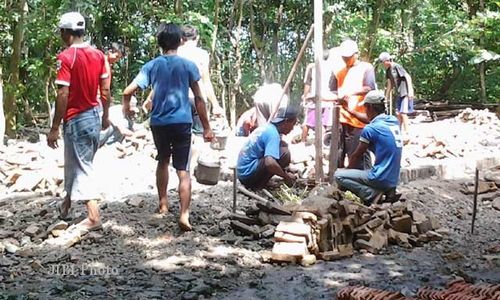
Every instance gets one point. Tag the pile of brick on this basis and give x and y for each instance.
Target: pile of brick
(455, 290)
(331, 229)
(345, 226)
(479, 117)
(26, 167)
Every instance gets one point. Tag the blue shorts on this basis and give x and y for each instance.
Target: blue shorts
(404, 105)
(81, 140)
(173, 140)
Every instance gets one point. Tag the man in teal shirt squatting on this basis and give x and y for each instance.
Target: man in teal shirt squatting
(381, 136)
(264, 154)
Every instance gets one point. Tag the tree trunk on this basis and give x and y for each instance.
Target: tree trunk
(275, 50)
(372, 30)
(482, 76)
(216, 26)
(256, 44)
(13, 75)
(446, 85)
(178, 7)
(2, 115)
(236, 86)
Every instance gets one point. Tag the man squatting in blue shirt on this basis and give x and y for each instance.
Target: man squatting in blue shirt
(171, 76)
(381, 136)
(265, 154)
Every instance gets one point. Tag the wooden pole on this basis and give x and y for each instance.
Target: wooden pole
(293, 70)
(318, 58)
(334, 143)
(474, 209)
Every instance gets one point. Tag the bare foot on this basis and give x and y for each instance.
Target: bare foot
(163, 208)
(184, 224)
(90, 225)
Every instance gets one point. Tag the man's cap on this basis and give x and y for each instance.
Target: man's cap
(72, 20)
(384, 56)
(285, 113)
(348, 48)
(375, 97)
(189, 31)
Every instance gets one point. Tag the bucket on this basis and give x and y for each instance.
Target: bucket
(219, 143)
(207, 172)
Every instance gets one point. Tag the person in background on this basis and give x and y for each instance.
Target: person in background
(265, 154)
(121, 125)
(381, 136)
(348, 87)
(171, 77)
(399, 80)
(266, 101)
(81, 71)
(247, 123)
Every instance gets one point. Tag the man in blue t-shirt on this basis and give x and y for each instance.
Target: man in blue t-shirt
(264, 154)
(382, 137)
(171, 77)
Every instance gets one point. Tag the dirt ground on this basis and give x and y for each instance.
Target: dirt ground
(142, 255)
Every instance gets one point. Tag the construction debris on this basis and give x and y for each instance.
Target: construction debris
(332, 229)
(457, 289)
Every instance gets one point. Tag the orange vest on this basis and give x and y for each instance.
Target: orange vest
(350, 80)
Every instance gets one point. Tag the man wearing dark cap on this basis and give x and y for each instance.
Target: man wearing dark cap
(382, 137)
(264, 154)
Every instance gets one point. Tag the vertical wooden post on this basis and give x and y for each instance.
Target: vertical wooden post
(318, 58)
(334, 143)
(474, 208)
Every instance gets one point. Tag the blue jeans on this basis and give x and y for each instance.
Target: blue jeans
(81, 140)
(357, 182)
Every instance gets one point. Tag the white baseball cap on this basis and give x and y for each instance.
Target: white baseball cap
(348, 48)
(72, 20)
(384, 56)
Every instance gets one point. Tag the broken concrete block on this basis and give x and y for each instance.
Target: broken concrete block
(268, 218)
(402, 224)
(434, 236)
(267, 231)
(288, 238)
(308, 260)
(135, 202)
(60, 225)
(374, 223)
(243, 219)
(306, 216)
(398, 238)
(32, 230)
(335, 255)
(246, 229)
(295, 229)
(272, 208)
(10, 248)
(424, 226)
(435, 224)
(289, 252)
(413, 240)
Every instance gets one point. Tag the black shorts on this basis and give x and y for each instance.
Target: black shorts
(173, 140)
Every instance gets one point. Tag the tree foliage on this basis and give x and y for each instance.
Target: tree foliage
(441, 43)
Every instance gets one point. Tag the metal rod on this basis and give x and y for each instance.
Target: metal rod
(474, 209)
(235, 185)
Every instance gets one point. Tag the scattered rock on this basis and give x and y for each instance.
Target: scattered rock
(496, 204)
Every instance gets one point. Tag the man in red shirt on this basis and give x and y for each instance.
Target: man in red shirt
(81, 71)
